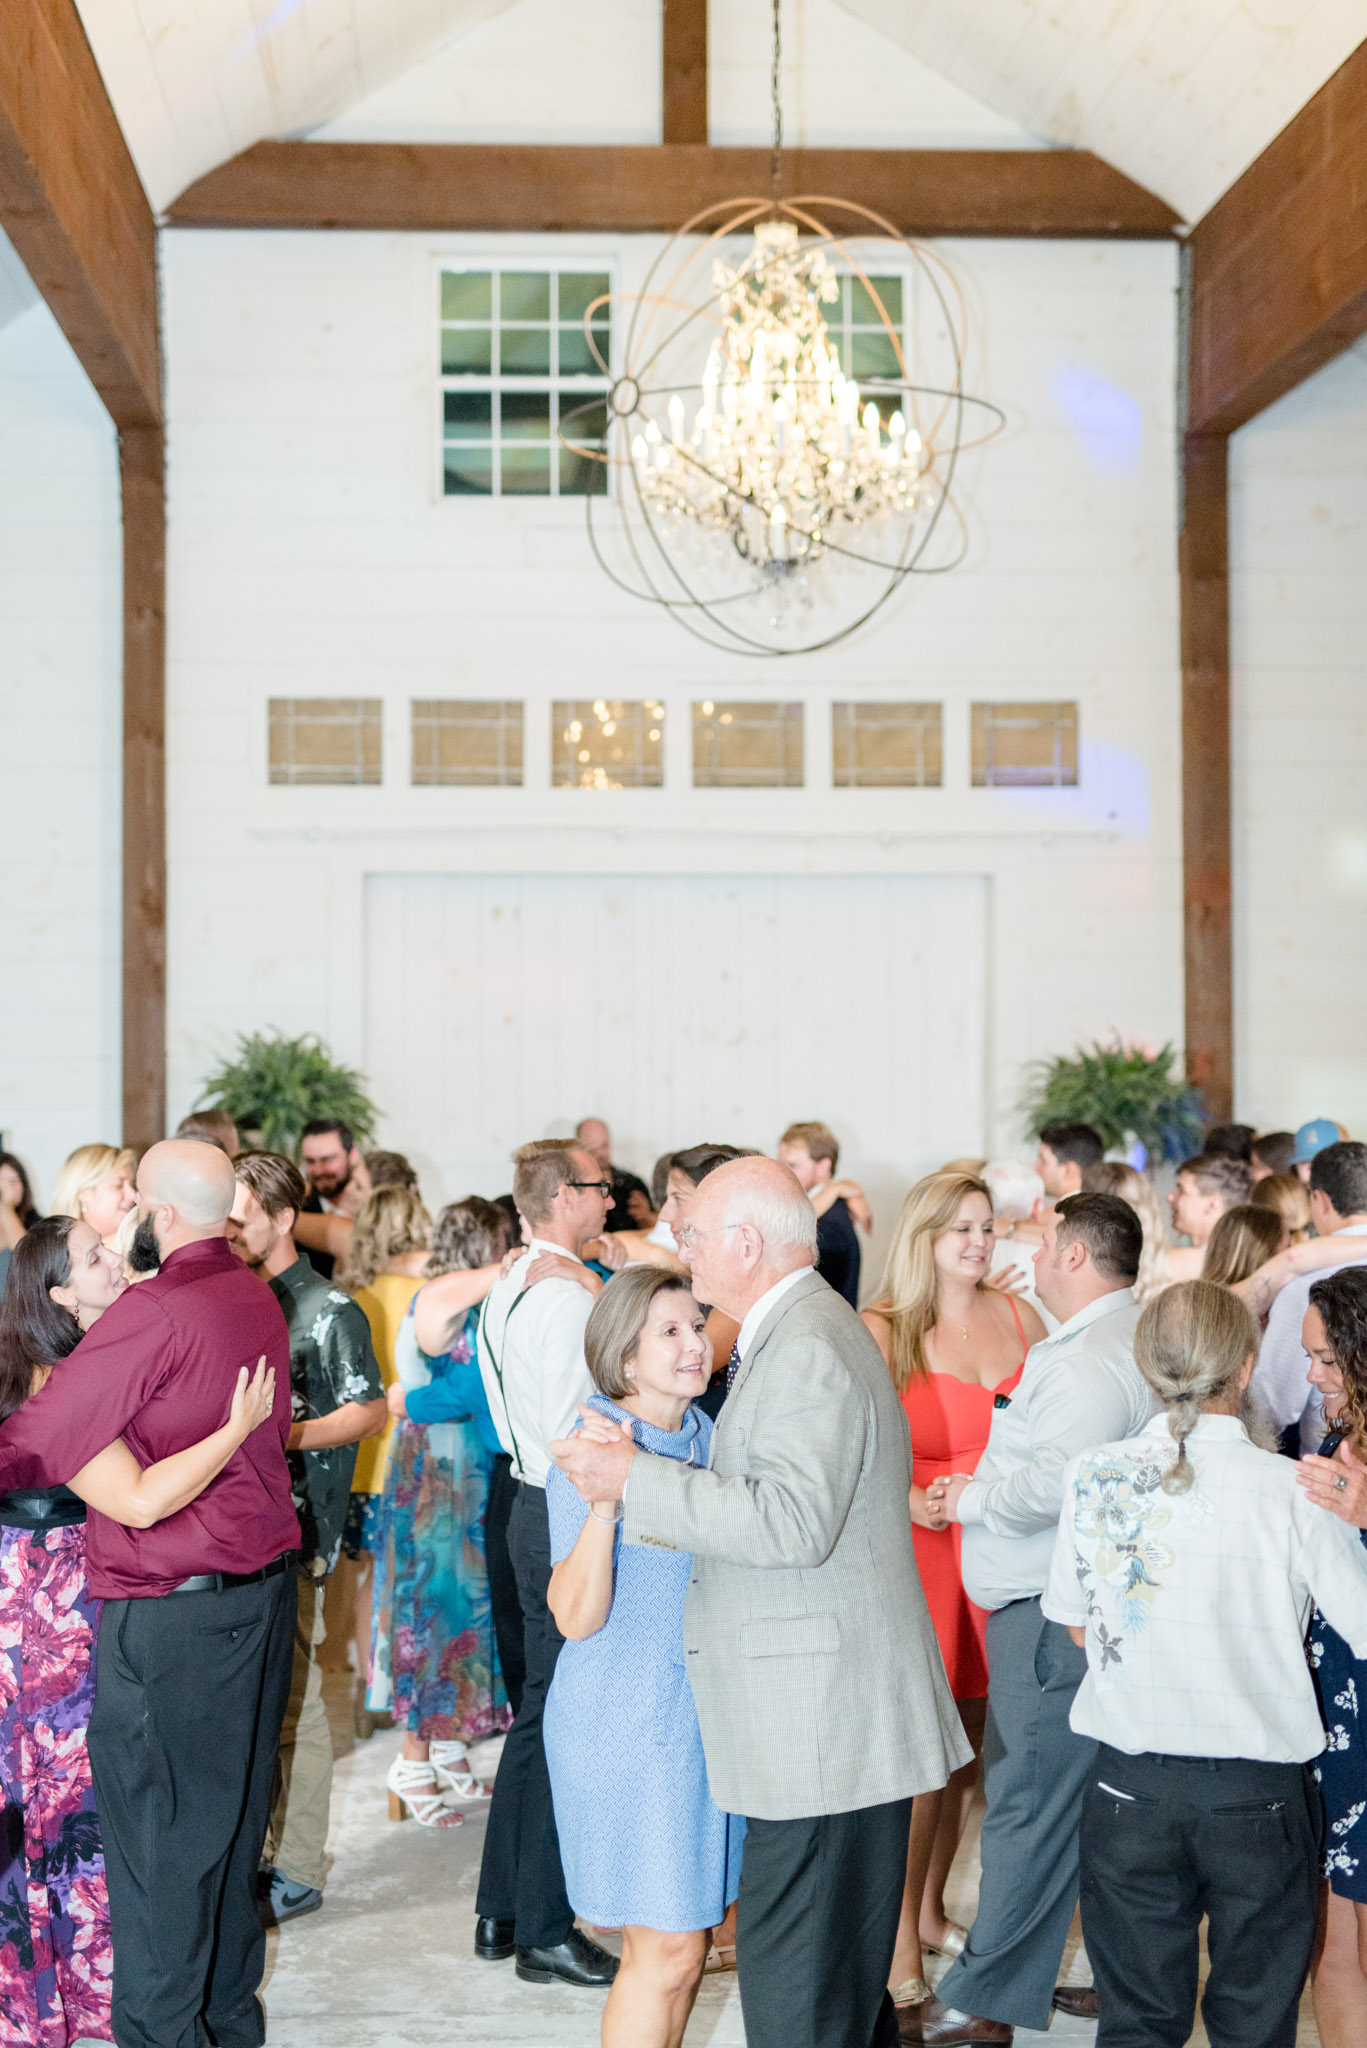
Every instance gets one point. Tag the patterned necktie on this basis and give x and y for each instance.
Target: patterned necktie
(732, 1367)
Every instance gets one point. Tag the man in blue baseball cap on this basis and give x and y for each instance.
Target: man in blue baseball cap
(1311, 1139)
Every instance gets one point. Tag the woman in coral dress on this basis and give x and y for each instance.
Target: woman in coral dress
(954, 1346)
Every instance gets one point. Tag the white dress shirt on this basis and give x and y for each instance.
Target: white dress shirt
(1079, 1387)
(536, 1349)
(1196, 1604)
(1279, 1378)
(756, 1313)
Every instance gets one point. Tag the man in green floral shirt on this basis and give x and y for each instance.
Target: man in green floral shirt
(338, 1399)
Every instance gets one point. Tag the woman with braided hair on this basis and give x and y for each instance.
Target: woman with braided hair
(1186, 1564)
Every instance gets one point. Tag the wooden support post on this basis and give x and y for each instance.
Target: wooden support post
(73, 206)
(1204, 571)
(142, 473)
(685, 70)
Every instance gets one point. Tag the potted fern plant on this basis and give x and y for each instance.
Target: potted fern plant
(275, 1085)
(1125, 1092)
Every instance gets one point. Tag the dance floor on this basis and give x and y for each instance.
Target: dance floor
(387, 1963)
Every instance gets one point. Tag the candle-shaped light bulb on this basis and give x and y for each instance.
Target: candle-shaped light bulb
(639, 452)
(728, 399)
(778, 534)
(871, 427)
(652, 433)
(780, 425)
(676, 420)
(711, 376)
(913, 442)
(757, 361)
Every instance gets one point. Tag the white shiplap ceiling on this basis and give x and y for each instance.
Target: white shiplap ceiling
(1181, 94)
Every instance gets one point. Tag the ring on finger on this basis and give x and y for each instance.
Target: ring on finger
(1340, 1484)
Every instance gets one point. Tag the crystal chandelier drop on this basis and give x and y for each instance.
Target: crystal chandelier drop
(783, 459)
(770, 497)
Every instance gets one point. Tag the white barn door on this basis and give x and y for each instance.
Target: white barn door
(681, 1008)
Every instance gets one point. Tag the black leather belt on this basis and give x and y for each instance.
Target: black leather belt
(218, 1582)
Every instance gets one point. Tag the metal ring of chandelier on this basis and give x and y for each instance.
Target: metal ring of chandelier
(793, 471)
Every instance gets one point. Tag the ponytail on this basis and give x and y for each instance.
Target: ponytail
(1190, 1342)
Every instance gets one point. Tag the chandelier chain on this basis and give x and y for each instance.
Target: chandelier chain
(776, 98)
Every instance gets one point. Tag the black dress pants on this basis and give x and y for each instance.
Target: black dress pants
(1166, 1840)
(520, 1878)
(819, 1901)
(190, 1692)
(504, 1604)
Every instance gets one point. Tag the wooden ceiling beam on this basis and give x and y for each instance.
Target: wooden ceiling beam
(513, 188)
(685, 70)
(1279, 264)
(73, 206)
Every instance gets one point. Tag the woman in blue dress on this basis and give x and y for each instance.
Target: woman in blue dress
(642, 1844)
(1335, 1339)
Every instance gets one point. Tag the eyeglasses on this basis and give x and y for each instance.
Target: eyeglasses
(688, 1236)
(604, 1187)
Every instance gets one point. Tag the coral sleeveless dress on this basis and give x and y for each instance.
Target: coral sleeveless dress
(950, 1419)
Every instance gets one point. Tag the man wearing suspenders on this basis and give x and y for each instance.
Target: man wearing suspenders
(531, 1356)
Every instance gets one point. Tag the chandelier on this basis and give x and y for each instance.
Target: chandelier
(767, 497)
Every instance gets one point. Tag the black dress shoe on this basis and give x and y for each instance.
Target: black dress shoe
(493, 1939)
(575, 1960)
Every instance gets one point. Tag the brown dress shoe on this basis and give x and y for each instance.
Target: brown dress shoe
(944, 2026)
(1079, 2001)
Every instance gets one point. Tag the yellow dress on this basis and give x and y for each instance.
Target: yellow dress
(385, 1302)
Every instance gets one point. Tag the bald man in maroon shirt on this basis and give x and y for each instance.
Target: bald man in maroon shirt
(196, 1634)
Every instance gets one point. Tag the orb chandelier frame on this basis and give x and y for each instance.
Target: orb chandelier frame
(790, 461)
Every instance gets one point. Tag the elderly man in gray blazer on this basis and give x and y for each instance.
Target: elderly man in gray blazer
(820, 1690)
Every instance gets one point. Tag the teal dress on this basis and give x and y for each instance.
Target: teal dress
(641, 1841)
(433, 1660)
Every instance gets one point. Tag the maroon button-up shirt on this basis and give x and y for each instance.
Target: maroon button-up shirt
(158, 1369)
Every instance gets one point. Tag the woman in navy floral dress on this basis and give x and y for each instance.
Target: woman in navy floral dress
(56, 1962)
(1335, 1339)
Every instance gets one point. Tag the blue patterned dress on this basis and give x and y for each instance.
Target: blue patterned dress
(1342, 1766)
(433, 1660)
(640, 1839)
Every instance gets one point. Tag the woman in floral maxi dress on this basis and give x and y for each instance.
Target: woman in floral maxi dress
(434, 1659)
(56, 1959)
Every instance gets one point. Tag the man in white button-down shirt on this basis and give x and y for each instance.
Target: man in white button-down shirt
(1079, 1387)
(531, 1358)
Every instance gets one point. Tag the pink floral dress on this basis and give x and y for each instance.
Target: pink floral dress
(56, 1963)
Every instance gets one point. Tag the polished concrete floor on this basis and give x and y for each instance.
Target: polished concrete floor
(387, 1963)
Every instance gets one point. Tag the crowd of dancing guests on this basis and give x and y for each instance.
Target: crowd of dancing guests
(754, 1586)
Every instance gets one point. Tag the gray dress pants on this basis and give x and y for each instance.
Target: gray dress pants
(1035, 1773)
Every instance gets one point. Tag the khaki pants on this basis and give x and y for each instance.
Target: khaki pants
(297, 1836)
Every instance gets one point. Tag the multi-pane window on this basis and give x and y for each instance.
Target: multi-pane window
(518, 369)
(325, 739)
(475, 741)
(747, 746)
(1019, 746)
(886, 746)
(866, 348)
(607, 744)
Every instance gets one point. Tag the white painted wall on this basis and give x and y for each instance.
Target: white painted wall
(310, 554)
(1298, 559)
(541, 72)
(60, 624)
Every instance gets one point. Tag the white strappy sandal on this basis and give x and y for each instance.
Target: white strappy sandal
(453, 1773)
(413, 1789)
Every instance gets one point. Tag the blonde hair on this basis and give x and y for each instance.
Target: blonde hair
(1288, 1197)
(88, 1168)
(1189, 1345)
(1114, 1177)
(389, 1223)
(908, 1293)
(1243, 1238)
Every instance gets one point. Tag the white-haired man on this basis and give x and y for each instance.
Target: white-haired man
(821, 1695)
(197, 1629)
